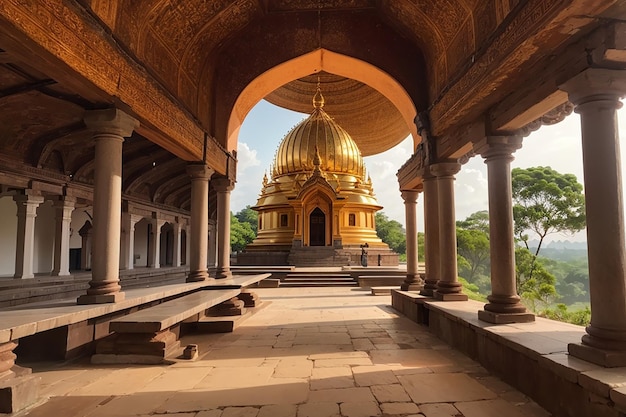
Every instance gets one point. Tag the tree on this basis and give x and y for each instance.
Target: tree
(241, 234)
(391, 232)
(545, 201)
(534, 283)
(473, 246)
(247, 215)
(476, 221)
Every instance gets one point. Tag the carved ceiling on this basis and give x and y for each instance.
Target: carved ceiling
(180, 66)
(41, 125)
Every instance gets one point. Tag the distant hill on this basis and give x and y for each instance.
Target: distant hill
(561, 250)
(560, 245)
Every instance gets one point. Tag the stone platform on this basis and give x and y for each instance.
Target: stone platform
(315, 352)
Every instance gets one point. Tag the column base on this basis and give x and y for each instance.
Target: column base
(505, 318)
(411, 287)
(197, 276)
(449, 297)
(602, 357)
(19, 390)
(223, 273)
(101, 299)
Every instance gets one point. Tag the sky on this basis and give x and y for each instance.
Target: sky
(557, 146)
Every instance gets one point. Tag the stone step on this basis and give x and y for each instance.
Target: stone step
(318, 284)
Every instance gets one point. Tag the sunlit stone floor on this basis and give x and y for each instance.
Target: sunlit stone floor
(308, 353)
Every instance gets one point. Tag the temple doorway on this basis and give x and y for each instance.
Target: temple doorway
(317, 228)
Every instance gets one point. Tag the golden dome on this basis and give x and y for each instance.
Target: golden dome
(337, 151)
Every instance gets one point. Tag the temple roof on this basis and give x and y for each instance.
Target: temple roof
(318, 135)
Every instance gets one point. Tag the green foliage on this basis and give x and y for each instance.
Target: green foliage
(534, 283)
(546, 201)
(247, 215)
(473, 247)
(391, 232)
(472, 291)
(580, 317)
(241, 233)
(476, 221)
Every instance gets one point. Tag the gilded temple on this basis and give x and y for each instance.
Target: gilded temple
(318, 204)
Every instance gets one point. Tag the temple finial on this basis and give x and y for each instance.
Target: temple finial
(318, 98)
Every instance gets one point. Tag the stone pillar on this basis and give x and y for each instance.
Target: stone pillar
(431, 234)
(85, 233)
(128, 240)
(109, 127)
(176, 231)
(596, 94)
(63, 219)
(155, 244)
(413, 281)
(200, 174)
(212, 260)
(504, 304)
(448, 287)
(25, 247)
(223, 186)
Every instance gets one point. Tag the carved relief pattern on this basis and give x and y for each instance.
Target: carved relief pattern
(535, 12)
(287, 5)
(232, 19)
(61, 31)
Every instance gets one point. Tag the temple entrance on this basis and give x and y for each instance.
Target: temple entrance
(317, 228)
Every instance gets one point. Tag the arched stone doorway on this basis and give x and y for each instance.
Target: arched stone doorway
(166, 245)
(317, 228)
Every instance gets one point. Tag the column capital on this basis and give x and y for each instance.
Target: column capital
(112, 121)
(491, 147)
(199, 171)
(410, 196)
(445, 169)
(28, 198)
(223, 184)
(595, 84)
(64, 201)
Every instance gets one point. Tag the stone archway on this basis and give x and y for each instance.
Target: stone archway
(314, 62)
(317, 228)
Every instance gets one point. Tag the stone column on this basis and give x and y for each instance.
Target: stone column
(431, 234)
(155, 245)
(413, 281)
(200, 174)
(448, 287)
(596, 94)
(25, 247)
(223, 186)
(63, 219)
(212, 246)
(109, 127)
(176, 231)
(504, 304)
(128, 240)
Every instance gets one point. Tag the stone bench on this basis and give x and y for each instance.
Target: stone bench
(384, 290)
(61, 329)
(149, 336)
(368, 281)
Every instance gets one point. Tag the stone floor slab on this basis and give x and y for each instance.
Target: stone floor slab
(318, 409)
(399, 408)
(439, 388)
(360, 409)
(390, 393)
(365, 376)
(489, 408)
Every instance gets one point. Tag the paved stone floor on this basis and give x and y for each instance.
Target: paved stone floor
(309, 353)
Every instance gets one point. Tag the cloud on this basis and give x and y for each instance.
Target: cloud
(249, 176)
